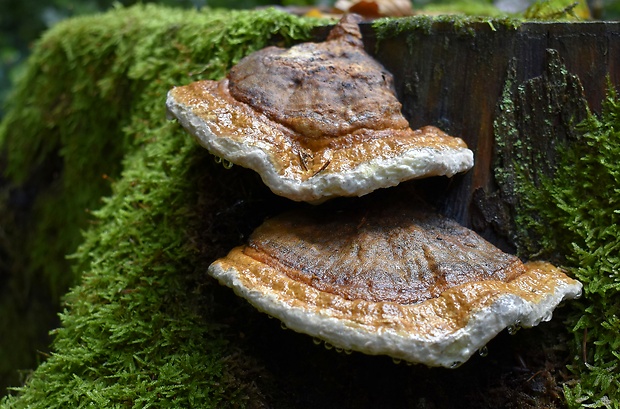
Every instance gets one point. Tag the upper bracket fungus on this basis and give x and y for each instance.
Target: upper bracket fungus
(317, 120)
(390, 278)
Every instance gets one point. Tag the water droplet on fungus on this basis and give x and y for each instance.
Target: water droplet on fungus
(456, 364)
(283, 326)
(396, 361)
(227, 164)
(317, 341)
(328, 346)
(484, 351)
(513, 329)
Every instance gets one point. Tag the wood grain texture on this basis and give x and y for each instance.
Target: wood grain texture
(454, 78)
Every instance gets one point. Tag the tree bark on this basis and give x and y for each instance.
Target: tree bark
(460, 78)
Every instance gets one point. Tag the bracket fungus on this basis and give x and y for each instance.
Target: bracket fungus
(317, 120)
(390, 278)
(321, 120)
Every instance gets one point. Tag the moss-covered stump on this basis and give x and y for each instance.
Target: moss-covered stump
(145, 326)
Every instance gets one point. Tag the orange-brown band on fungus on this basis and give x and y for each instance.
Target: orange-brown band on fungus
(400, 254)
(447, 313)
(211, 101)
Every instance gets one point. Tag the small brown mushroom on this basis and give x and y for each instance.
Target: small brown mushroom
(390, 277)
(317, 120)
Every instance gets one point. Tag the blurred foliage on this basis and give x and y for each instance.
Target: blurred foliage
(557, 10)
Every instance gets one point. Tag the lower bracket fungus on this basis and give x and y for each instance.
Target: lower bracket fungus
(317, 120)
(393, 279)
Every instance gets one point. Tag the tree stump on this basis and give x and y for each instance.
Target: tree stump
(461, 76)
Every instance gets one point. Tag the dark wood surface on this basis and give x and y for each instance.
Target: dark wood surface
(454, 77)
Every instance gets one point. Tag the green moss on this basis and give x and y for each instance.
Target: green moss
(571, 212)
(467, 8)
(468, 17)
(548, 10)
(92, 104)
(461, 24)
(533, 120)
(586, 198)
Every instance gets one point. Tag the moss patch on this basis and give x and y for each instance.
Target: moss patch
(533, 120)
(461, 24)
(469, 17)
(92, 104)
(569, 210)
(586, 197)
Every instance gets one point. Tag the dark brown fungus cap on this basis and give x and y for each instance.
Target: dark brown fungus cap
(389, 278)
(317, 120)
